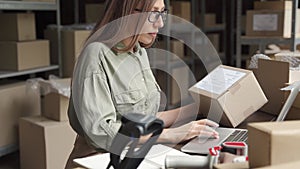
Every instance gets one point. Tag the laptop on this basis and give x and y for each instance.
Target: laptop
(201, 144)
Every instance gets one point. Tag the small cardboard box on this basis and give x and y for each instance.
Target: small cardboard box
(94, 12)
(55, 103)
(228, 95)
(14, 103)
(17, 27)
(72, 42)
(44, 143)
(272, 143)
(242, 165)
(24, 55)
(182, 9)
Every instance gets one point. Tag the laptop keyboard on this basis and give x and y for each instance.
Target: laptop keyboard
(238, 135)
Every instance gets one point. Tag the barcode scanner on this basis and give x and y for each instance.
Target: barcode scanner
(133, 126)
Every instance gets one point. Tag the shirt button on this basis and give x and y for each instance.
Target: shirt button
(143, 79)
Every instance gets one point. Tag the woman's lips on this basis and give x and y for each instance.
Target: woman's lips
(153, 34)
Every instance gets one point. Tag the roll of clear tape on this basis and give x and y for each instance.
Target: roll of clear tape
(199, 162)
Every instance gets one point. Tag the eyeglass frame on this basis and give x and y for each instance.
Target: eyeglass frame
(163, 15)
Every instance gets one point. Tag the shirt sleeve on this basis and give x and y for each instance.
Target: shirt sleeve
(93, 104)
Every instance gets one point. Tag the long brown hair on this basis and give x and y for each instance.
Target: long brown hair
(110, 28)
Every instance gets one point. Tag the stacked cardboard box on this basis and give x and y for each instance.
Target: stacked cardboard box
(271, 18)
(182, 9)
(72, 40)
(47, 140)
(18, 45)
(15, 102)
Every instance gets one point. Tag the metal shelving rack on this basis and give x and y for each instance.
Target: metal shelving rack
(34, 6)
(263, 41)
(31, 6)
(186, 32)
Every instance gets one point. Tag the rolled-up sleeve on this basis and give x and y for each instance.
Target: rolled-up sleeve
(93, 104)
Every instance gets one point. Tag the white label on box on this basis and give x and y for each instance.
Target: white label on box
(265, 22)
(220, 80)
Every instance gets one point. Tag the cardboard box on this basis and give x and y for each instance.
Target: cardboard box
(94, 12)
(176, 48)
(17, 27)
(56, 101)
(242, 165)
(272, 143)
(24, 55)
(290, 165)
(51, 35)
(228, 95)
(179, 81)
(44, 143)
(271, 18)
(215, 40)
(294, 112)
(14, 103)
(72, 42)
(273, 75)
(182, 9)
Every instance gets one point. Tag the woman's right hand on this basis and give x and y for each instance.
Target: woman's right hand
(190, 130)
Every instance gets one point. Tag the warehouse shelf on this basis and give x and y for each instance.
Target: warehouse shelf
(263, 41)
(35, 6)
(21, 5)
(6, 74)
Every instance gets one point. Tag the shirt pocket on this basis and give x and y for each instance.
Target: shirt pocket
(131, 101)
(129, 97)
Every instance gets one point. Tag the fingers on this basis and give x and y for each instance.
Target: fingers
(209, 132)
(208, 123)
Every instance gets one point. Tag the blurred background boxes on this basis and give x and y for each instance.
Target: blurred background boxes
(14, 103)
(271, 18)
(272, 143)
(182, 9)
(17, 26)
(24, 54)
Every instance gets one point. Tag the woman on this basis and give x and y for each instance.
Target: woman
(113, 77)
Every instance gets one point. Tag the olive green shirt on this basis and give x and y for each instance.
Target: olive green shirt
(106, 85)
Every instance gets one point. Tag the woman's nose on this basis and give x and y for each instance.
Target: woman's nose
(159, 23)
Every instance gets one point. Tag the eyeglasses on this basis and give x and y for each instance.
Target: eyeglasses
(154, 15)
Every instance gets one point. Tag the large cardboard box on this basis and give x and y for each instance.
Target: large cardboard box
(94, 12)
(182, 9)
(272, 143)
(17, 27)
(271, 18)
(228, 95)
(273, 75)
(44, 143)
(24, 55)
(14, 103)
(72, 43)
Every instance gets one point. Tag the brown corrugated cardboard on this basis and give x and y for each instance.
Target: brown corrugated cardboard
(24, 55)
(179, 87)
(290, 165)
(271, 84)
(228, 95)
(55, 102)
(272, 18)
(14, 103)
(17, 27)
(181, 9)
(272, 143)
(55, 107)
(44, 143)
(94, 12)
(243, 165)
(72, 42)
